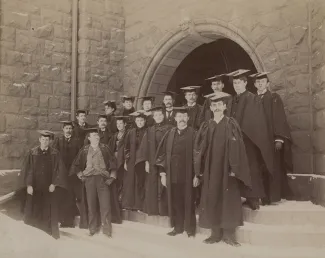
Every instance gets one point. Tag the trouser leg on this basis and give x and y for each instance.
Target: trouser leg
(178, 206)
(91, 192)
(103, 192)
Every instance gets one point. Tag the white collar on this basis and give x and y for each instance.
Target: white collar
(261, 92)
(220, 118)
(191, 105)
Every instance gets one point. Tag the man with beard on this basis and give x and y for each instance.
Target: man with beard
(174, 159)
(219, 153)
(217, 85)
(155, 197)
(169, 99)
(110, 109)
(68, 146)
(147, 104)
(134, 176)
(104, 133)
(128, 108)
(95, 165)
(194, 109)
(42, 173)
(279, 131)
(117, 144)
(248, 111)
(80, 125)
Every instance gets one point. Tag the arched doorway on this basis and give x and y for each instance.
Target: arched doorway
(217, 57)
(187, 39)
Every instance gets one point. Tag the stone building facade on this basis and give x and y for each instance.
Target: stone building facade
(137, 47)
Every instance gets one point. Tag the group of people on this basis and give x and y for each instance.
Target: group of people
(164, 160)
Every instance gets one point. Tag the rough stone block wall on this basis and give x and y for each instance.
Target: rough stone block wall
(101, 52)
(318, 82)
(35, 73)
(277, 30)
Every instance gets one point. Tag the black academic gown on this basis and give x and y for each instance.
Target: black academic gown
(248, 111)
(134, 178)
(129, 120)
(206, 113)
(111, 123)
(278, 130)
(155, 198)
(219, 150)
(79, 132)
(149, 120)
(194, 115)
(163, 161)
(79, 165)
(68, 150)
(170, 119)
(40, 171)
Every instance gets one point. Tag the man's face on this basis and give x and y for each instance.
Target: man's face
(139, 121)
(181, 119)
(44, 142)
(191, 97)
(158, 116)
(217, 86)
(81, 117)
(120, 125)
(128, 104)
(147, 105)
(219, 106)
(67, 130)
(239, 85)
(102, 122)
(93, 138)
(168, 101)
(261, 84)
(109, 110)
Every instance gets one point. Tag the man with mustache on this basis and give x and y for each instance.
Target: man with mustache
(80, 125)
(168, 101)
(110, 109)
(174, 159)
(194, 109)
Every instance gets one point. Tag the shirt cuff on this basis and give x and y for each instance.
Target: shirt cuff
(279, 140)
(163, 174)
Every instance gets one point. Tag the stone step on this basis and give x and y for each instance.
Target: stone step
(287, 213)
(255, 234)
(150, 241)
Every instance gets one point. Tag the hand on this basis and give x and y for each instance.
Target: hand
(110, 180)
(278, 145)
(196, 181)
(147, 167)
(51, 188)
(30, 190)
(164, 180)
(80, 175)
(125, 166)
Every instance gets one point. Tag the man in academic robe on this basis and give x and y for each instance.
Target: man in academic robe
(174, 159)
(248, 111)
(117, 144)
(220, 161)
(155, 198)
(128, 108)
(95, 166)
(217, 85)
(279, 131)
(135, 175)
(194, 109)
(43, 172)
(147, 104)
(103, 131)
(68, 146)
(110, 109)
(80, 125)
(168, 101)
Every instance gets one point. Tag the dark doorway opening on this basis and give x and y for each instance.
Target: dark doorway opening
(221, 56)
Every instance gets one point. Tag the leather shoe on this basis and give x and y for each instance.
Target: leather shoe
(212, 240)
(252, 205)
(174, 233)
(91, 233)
(190, 234)
(266, 201)
(231, 242)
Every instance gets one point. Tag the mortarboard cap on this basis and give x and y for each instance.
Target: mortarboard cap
(191, 89)
(239, 74)
(64, 123)
(214, 78)
(81, 111)
(91, 130)
(101, 116)
(180, 110)
(219, 96)
(262, 75)
(110, 103)
(209, 95)
(170, 93)
(46, 133)
(121, 117)
(159, 108)
(139, 113)
(151, 98)
(126, 97)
